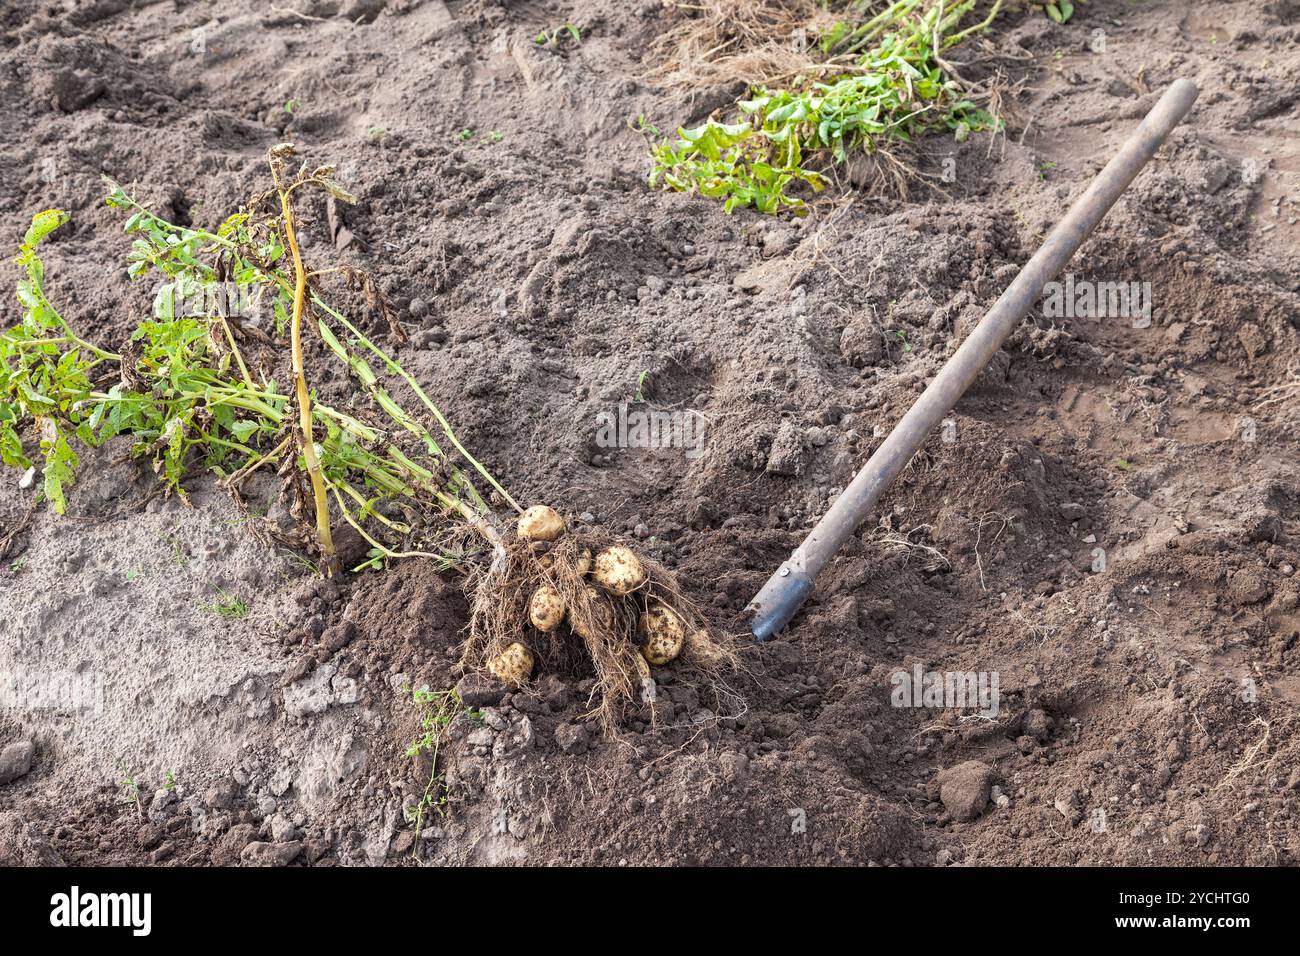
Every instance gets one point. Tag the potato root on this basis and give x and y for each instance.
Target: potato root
(586, 605)
(602, 613)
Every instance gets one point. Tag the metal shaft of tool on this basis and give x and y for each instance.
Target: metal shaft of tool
(786, 590)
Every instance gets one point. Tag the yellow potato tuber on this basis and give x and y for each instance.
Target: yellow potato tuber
(546, 609)
(701, 651)
(540, 523)
(514, 665)
(618, 570)
(661, 632)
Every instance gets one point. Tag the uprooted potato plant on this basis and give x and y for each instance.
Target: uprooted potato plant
(196, 387)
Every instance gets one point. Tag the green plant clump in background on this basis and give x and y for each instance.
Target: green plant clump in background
(896, 90)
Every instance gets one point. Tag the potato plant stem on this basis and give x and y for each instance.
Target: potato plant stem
(310, 458)
(448, 562)
(397, 369)
(234, 350)
(252, 466)
(69, 339)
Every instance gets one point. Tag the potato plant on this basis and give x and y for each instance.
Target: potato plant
(356, 470)
(196, 389)
(894, 86)
(183, 389)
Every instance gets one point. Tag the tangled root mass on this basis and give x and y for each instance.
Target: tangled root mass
(603, 630)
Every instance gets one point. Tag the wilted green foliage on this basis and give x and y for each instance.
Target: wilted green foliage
(896, 90)
(181, 388)
(726, 162)
(45, 374)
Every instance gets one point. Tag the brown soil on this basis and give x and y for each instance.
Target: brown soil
(538, 278)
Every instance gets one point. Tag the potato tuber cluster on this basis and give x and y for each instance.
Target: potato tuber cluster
(567, 602)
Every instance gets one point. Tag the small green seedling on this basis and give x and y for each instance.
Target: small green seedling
(175, 551)
(437, 710)
(374, 561)
(130, 789)
(553, 36)
(639, 397)
(230, 606)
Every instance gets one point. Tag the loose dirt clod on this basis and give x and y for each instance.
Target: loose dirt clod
(964, 789)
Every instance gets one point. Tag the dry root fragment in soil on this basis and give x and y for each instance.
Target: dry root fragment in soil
(757, 41)
(615, 632)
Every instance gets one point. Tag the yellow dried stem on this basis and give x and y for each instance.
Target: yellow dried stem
(303, 396)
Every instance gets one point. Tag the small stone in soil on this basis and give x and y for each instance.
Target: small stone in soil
(270, 854)
(1038, 725)
(1067, 805)
(964, 789)
(571, 738)
(16, 761)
